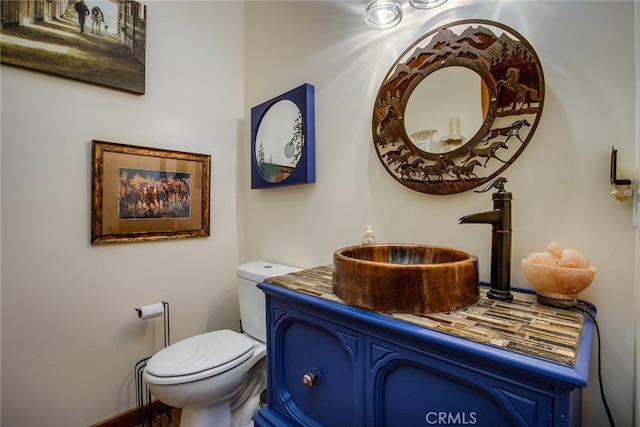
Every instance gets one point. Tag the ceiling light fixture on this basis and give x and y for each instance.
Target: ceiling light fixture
(383, 14)
(426, 4)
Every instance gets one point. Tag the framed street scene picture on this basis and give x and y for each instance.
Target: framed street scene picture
(97, 42)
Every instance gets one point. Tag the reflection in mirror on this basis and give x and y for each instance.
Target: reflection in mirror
(445, 110)
(279, 141)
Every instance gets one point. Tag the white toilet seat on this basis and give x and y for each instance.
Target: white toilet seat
(199, 357)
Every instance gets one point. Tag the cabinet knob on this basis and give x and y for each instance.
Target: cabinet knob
(310, 378)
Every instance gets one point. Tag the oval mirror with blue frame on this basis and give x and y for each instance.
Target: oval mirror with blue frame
(283, 139)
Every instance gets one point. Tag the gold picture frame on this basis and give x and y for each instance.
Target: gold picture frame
(141, 193)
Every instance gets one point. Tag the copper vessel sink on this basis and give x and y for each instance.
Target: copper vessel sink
(406, 278)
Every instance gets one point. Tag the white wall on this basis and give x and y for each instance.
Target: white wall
(637, 273)
(70, 335)
(560, 183)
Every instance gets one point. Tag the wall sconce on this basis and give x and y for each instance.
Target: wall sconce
(621, 187)
(383, 14)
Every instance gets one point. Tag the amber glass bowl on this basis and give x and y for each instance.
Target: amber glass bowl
(558, 282)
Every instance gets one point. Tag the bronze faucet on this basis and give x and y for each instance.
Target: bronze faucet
(500, 220)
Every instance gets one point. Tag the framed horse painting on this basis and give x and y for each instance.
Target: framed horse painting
(93, 41)
(141, 193)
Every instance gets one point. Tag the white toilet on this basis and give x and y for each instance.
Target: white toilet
(217, 377)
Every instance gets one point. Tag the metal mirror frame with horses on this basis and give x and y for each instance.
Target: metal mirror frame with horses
(513, 85)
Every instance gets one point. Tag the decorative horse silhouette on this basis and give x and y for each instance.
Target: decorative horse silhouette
(389, 126)
(97, 18)
(389, 155)
(438, 169)
(399, 155)
(466, 170)
(487, 153)
(406, 170)
(513, 130)
(524, 94)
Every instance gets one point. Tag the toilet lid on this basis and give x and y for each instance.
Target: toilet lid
(224, 349)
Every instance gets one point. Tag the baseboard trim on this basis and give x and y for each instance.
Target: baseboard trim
(130, 417)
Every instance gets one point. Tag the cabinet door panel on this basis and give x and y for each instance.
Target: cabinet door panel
(414, 396)
(313, 347)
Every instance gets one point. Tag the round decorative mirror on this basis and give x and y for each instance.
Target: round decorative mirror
(283, 139)
(458, 107)
(279, 141)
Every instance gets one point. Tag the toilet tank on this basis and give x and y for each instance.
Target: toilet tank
(251, 299)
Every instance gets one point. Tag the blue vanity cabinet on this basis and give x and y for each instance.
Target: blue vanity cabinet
(331, 364)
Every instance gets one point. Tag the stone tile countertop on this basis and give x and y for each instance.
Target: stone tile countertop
(522, 325)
